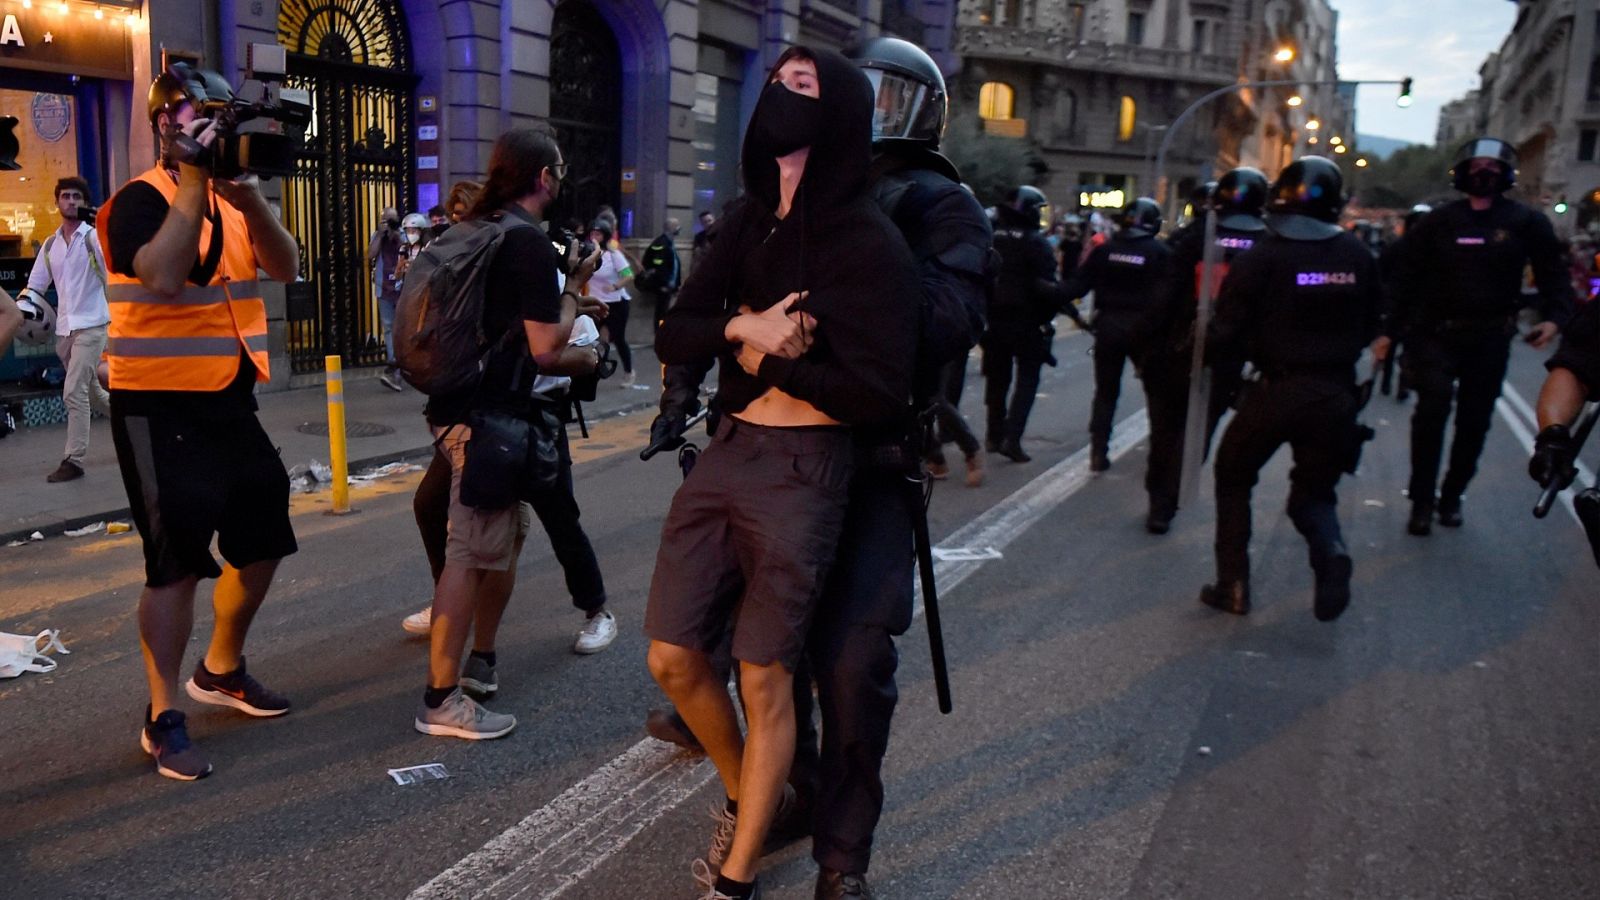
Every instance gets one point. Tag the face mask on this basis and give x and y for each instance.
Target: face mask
(20, 653)
(1483, 183)
(785, 121)
(413, 235)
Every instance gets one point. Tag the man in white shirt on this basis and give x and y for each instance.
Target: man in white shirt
(71, 258)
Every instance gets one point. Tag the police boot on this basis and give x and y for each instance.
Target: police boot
(1332, 594)
(1421, 521)
(1227, 595)
(1450, 510)
(1011, 448)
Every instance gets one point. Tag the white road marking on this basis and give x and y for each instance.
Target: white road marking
(1522, 421)
(553, 849)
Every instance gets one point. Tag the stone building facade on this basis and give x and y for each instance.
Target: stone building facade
(1458, 120)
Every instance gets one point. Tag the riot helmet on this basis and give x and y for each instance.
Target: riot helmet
(1140, 219)
(1199, 199)
(1305, 202)
(1415, 215)
(1484, 183)
(1026, 207)
(182, 83)
(1239, 198)
(911, 101)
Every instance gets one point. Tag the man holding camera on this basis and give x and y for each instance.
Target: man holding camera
(70, 259)
(383, 257)
(187, 342)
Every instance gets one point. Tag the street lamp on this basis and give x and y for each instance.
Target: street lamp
(1312, 139)
(1340, 149)
(1336, 140)
(1296, 100)
(1284, 54)
(1361, 163)
(1313, 124)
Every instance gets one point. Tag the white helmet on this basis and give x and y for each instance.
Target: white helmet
(38, 319)
(416, 220)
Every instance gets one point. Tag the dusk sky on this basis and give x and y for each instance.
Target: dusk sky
(1439, 43)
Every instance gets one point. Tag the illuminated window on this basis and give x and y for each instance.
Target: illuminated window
(1127, 116)
(996, 100)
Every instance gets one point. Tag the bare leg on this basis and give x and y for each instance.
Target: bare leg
(687, 679)
(166, 617)
(495, 596)
(769, 750)
(454, 601)
(238, 595)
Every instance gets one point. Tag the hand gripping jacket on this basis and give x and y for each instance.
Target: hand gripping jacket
(189, 341)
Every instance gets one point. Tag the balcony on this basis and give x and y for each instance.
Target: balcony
(1026, 45)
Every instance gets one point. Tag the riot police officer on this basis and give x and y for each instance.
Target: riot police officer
(1237, 200)
(1195, 219)
(1457, 301)
(1573, 380)
(1024, 302)
(867, 600)
(1390, 265)
(1301, 304)
(1128, 275)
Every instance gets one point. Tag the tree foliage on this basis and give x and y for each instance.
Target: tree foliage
(1411, 175)
(991, 165)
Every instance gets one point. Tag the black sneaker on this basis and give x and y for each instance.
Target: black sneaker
(236, 689)
(1099, 461)
(167, 740)
(835, 885)
(1158, 522)
(1332, 593)
(1229, 597)
(1421, 522)
(1450, 512)
(1013, 451)
(67, 471)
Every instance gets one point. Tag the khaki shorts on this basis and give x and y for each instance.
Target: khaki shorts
(479, 538)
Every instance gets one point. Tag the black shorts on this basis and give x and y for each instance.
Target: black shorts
(749, 541)
(189, 480)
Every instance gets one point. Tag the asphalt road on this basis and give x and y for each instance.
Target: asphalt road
(1111, 737)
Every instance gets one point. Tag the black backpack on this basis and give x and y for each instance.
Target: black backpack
(439, 342)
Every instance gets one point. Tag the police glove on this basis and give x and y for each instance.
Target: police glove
(1553, 455)
(666, 433)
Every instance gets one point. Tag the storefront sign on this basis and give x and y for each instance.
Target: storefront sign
(428, 133)
(427, 162)
(630, 181)
(1100, 198)
(71, 43)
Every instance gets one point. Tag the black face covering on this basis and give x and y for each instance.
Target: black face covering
(1482, 183)
(786, 121)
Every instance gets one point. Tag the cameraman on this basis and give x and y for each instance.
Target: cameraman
(383, 257)
(188, 341)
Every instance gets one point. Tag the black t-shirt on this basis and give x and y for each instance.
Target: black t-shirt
(136, 215)
(1580, 348)
(523, 284)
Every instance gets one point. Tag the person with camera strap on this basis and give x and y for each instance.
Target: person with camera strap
(187, 344)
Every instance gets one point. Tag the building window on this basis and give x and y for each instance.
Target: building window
(996, 100)
(1201, 31)
(1136, 28)
(1594, 79)
(1127, 117)
(1586, 139)
(47, 132)
(1000, 12)
(1075, 13)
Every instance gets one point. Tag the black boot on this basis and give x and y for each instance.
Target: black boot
(1099, 460)
(1450, 510)
(1332, 593)
(833, 885)
(1421, 521)
(1159, 521)
(1228, 596)
(1011, 449)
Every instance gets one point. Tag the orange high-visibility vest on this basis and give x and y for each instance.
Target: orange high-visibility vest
(191, 340)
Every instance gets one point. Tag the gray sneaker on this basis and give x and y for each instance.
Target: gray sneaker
(459, 716)
(478, 678)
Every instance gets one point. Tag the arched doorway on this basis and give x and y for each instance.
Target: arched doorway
(353, 57)
(585, 110)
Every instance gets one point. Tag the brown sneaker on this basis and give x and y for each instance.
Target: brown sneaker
(67, 471)
(975, 470)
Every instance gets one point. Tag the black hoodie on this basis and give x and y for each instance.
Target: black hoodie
(834, 243)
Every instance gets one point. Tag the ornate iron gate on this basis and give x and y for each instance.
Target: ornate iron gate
(585, 108)
(352, 57)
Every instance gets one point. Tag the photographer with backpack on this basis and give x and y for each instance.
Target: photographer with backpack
(486, 313)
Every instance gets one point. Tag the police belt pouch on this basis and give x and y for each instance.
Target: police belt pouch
(510, 456)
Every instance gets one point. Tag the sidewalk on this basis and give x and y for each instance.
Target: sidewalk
(382, 426)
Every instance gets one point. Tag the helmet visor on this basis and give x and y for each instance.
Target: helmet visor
(1489, 148)
(898, 102)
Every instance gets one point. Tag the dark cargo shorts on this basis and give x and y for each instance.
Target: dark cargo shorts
(763, 508)
(189, 480)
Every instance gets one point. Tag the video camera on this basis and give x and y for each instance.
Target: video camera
(565, 241)
(260, 128)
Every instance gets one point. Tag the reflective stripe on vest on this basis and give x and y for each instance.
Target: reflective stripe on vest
(190, 340)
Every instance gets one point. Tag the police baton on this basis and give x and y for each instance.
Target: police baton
(930, 592)
(1547, 497)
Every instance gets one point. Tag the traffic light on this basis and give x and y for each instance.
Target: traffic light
(1404, 100)
(8, 144)
(1561, 205)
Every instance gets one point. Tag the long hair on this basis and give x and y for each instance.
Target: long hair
(519, 156)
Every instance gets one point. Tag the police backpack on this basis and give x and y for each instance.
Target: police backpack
(439, 342)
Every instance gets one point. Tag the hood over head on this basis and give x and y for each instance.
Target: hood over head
(837, 169)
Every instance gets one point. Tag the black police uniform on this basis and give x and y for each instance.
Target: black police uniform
(1129, 278)
(867, 599)
(1166, 366)
(1455, 307)
(1016, 346)
(1302, 311)
(1579, 351)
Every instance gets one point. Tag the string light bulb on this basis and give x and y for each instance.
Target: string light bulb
(99, 13)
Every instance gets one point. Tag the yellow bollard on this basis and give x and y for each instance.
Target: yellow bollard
(337, 457)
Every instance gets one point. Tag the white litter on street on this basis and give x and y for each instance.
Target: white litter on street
(419, 774)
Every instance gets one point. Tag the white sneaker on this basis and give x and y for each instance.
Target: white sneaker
(420, 622)
(597, 633)
(628, 379)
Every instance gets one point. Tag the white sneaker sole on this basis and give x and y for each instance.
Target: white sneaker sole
(478, 687)
(416, 628)
(583, 649)
(217, 698)
(465, 734)
(144, 744)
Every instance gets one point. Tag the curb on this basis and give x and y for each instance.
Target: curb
(55, 527)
